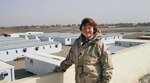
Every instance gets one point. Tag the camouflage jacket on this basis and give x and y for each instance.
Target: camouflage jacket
(92, 61)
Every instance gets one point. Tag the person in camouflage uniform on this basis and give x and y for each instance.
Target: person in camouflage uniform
(90, 55)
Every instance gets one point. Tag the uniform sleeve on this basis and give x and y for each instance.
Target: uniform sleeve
(106, 63)
(68, 61)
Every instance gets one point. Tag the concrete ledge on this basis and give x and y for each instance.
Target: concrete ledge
(131, 64)
(67, 77)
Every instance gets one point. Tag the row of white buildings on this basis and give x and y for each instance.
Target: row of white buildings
(12, 48)
(64, 38)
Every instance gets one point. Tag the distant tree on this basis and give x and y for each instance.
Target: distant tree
(144, 24)
(69, 25)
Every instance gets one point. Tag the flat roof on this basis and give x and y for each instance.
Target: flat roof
(111, 35)
(17, 41)
(133, 40)
(114, 49)
(70, 35)
(48, 58)
(5, 66)
(9, 38)
(56, 34)
(26, 44)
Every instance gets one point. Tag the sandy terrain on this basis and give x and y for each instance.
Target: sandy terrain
(74, 29)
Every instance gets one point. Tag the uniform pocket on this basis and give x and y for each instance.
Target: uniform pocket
(91, 59)
(88, 79)
(91, 71)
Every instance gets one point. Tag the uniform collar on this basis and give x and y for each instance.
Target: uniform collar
(84, 41)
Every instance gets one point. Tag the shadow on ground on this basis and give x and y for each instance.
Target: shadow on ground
(22, 73)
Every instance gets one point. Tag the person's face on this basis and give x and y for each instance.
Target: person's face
(87, 30)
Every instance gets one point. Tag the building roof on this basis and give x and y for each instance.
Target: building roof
(9, 39)
(5, 66)
(26, 45)
(111, 35)
(56, 34)
(17, 41)
(133, 40)
(48, 58)
(114, 49)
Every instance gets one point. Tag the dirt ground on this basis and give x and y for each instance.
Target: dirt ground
(73, 29)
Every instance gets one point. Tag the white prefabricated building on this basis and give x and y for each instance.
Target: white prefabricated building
(66, 39)
(28, 37)
(111, 37)
(34, 32)
(16, 34)
(6, 72)
(24, 36)
(45, 38)
(42, 63)
(41, 37)
(3, 39)
(10, 50)
(63, 40)
(33, 37)
(69, 38)
(130, 42)
(26, 33)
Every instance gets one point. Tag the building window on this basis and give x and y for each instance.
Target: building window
(16, 51)
(31, 60)
(43, 47)
(50, 46)
(7, 52)
(138, 44)
(36, 48)
(130, 44)
(116, 42)
(119, 44)
(56, 46)
(24, 50)
(68, 39)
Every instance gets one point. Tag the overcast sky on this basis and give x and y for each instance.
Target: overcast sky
(47, 12)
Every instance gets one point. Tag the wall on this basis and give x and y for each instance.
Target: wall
(67, 77)
(131, 64)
